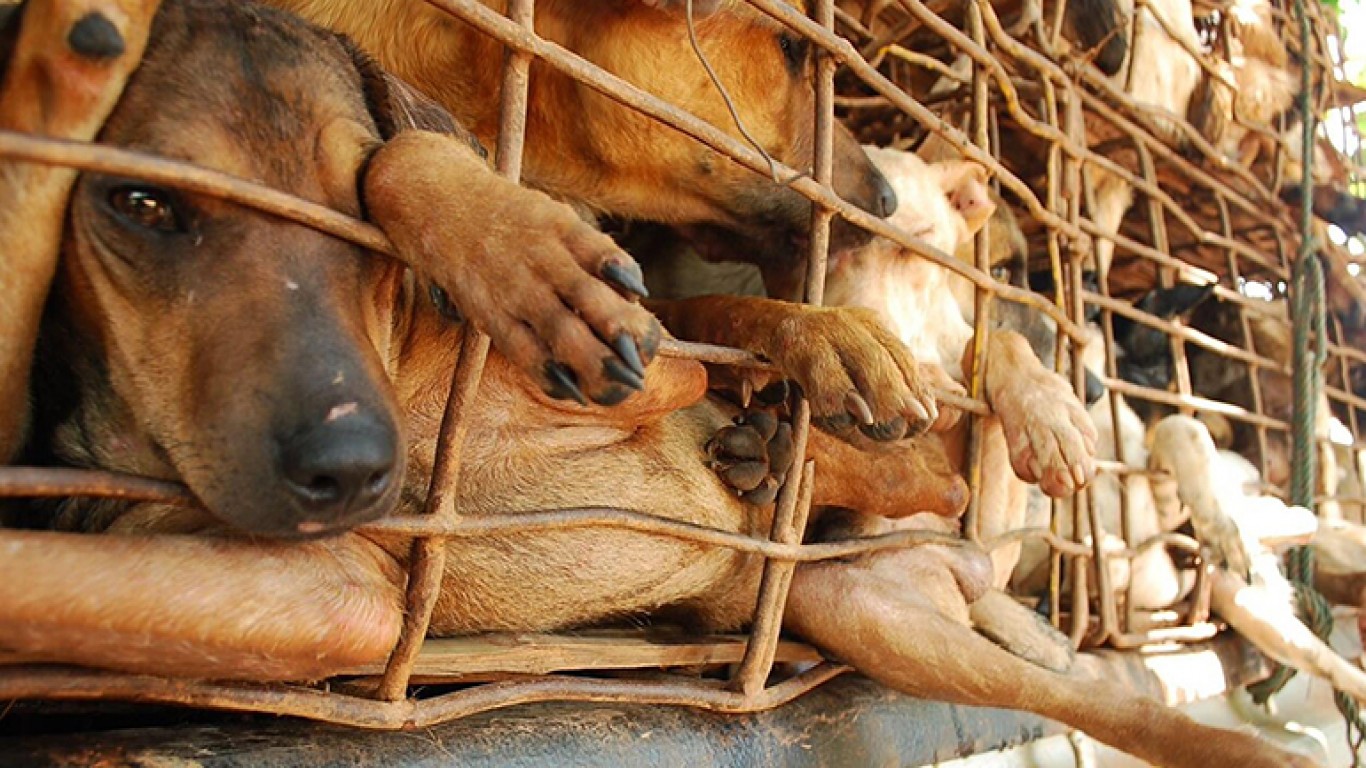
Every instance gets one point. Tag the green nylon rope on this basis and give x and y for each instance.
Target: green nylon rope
(1308, 312)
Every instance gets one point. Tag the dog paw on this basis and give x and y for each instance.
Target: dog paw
(854, 373)
(1051, 438)
(753, 455)
(1220, 535)
(557, 297)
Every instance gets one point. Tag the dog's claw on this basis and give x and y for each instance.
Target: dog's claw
(563, 384)
(624, 277)
(856, 405)
(620, 373)
(625, 347)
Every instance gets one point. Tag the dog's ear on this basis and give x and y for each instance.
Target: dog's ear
(397, 106)
(1167, 303)
(965, 183)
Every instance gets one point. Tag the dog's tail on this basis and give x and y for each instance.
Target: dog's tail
(1102, 27)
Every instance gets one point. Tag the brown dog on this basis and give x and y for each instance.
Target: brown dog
(584, 148)
(227, 396)
(283, 375)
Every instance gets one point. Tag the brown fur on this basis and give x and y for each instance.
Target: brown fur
(52, 90)
(587, 149)
(225, 305)
(1041, 431)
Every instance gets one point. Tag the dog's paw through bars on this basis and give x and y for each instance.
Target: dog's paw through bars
(754, 453)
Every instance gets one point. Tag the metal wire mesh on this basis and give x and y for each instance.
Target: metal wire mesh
(1203, 219)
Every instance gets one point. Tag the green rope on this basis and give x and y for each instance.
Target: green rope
(1308, 313)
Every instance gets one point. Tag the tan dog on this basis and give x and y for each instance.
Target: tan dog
(282, 376)
(584, 148)
(1040, 421)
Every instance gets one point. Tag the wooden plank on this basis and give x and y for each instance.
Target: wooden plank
(528, 653)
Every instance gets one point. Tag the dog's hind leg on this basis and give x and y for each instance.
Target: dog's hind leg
(901, 625)
(234, 609)
(64, 64)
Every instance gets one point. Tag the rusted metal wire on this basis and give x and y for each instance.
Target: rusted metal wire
(1007, 74)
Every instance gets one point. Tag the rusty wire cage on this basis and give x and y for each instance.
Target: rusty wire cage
(1029, 91)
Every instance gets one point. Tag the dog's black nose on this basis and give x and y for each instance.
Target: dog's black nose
(1094, 389)
(886, 197)
(339, 469)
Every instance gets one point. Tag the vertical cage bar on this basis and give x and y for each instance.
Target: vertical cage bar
(794, 501)
(428, 554)
(981, 336)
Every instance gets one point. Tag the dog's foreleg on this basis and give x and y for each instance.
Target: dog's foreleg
(1183, 447)
(65, 67)
(198, 607)
(554, 294)
(897, 625)
(1263, 615)
(1052, 439)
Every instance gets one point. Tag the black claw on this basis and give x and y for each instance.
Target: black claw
(626, 350)
(618, 372)
(626, 278)
(564, 385)
(95, 37)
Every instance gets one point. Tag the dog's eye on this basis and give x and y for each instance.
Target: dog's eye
(1000, 274)
(147, 208)
(794, 50)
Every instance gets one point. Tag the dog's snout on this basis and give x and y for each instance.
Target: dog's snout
(340, 469)
(1095, 390)
(884, 196)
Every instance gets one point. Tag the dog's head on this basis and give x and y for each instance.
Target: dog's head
(245, 352)
(648, 171)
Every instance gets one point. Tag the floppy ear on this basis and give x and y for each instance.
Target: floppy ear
(397, 106)
(965, 183)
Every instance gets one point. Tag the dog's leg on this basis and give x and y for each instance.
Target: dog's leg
(892, 481)
(238, 609)
(891, 618)
(1051, 438)
(553, 293)
(853, 371)
(64, 70)
(1183, 447)
(1263, 615)
(1113, 196)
